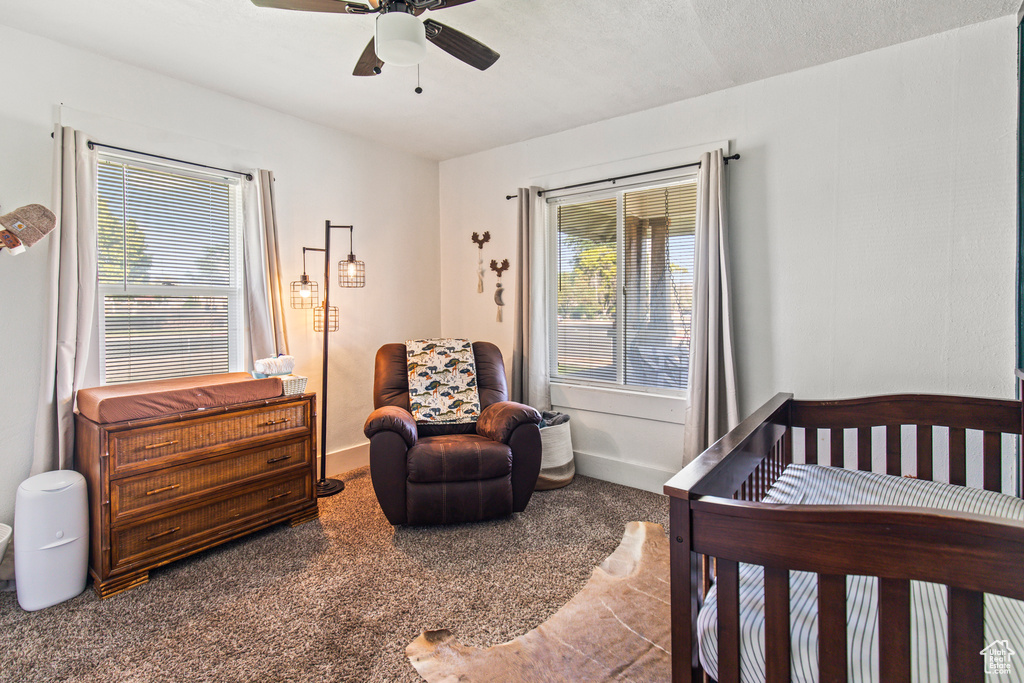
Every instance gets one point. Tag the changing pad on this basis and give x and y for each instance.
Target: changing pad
(138, 400)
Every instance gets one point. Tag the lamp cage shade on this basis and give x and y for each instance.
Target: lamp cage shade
(400, 39)
(351, 273)
(304, 293)
(332, 319)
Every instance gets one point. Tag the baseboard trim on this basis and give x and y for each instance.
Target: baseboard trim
(622, 472)
(347, 459)
(601, 467)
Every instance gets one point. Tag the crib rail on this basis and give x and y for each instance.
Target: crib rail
(838, 541)
(716, 522)
(921, 414)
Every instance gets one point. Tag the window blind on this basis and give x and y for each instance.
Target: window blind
(169, 268)
(625, 286)
(658, 240)
(165, 336)
(587, 290)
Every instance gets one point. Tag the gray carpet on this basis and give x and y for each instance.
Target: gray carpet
(336, 599)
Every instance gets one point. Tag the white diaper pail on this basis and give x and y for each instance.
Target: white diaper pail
(51, 531)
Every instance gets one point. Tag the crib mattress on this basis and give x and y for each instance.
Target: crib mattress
(817, 485)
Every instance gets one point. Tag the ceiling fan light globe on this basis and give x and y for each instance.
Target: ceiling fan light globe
(400, 39)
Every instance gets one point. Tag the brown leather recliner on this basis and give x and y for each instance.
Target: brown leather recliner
(445, 473)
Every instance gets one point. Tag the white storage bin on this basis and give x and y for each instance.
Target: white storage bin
(51, 523)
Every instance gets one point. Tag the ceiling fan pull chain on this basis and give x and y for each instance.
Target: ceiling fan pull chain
(419, 90)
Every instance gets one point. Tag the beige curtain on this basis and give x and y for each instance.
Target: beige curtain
(267, 334)
(712, 409)
(530, 382)
(71, 300)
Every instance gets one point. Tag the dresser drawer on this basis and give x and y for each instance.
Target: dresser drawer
(136, 448)
(144, 491)
(175, 531)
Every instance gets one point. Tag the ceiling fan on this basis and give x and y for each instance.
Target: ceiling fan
(400, 37)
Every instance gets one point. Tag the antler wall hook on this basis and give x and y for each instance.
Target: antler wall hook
(499, 269)
(481, 241)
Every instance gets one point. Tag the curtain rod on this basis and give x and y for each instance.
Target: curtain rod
(244, 174)
(540, 193)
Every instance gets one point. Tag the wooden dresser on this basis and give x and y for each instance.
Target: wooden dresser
(165, 487)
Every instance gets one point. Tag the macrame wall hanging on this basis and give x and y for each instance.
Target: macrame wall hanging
(480, 242)
(498, 289)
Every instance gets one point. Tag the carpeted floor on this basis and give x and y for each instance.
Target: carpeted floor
(337, 599)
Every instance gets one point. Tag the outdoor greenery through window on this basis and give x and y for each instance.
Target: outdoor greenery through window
(169, 268)
(625, 286)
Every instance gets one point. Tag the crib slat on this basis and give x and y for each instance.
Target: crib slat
(893, 450)
(776, 626)
(958, 456)
(728, 621)
(864, 449)
(894, 630)
(966, 620)
(925, 454)
(993, 450)
(831, 628)
(837, 447)
(811, 446)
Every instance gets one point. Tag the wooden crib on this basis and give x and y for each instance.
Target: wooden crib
(717, 521)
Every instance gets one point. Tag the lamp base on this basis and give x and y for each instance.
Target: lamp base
(329, 487)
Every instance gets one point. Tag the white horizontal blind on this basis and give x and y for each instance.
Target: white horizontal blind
(166, 336)
(169, 263)
(587, 238)
(658, 240)
(624, 286)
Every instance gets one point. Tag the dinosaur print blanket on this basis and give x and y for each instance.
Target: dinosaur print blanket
(442, 381)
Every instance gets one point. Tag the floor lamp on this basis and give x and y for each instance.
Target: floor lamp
(351, 273)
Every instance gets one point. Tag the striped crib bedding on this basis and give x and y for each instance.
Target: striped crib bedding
(817, 485)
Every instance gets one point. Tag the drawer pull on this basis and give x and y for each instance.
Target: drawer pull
(280, 495)
(163, 533)
(279, 459)
(162, 489)
(161, 444)
(274, 422)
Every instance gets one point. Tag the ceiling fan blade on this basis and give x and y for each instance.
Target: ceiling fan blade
(340, 6)
(367, 62)
(459, 45)
(450, 3)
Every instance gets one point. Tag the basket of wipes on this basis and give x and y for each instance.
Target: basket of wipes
(282, 367)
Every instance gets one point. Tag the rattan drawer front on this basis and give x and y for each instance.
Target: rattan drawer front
(134, 493)
(142, 446)
(174, 531)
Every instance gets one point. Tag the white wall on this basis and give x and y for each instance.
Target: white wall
(391, 198)
(872, 227)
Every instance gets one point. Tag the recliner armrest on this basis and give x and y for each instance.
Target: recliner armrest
(498, 420)
(392, 419)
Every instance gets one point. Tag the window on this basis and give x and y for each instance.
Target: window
(624, 286)
(169, 269)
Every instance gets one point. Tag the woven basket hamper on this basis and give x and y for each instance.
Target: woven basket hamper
(557, 467)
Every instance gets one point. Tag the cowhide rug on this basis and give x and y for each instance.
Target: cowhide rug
(616, 628)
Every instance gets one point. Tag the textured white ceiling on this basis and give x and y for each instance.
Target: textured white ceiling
(564, 63)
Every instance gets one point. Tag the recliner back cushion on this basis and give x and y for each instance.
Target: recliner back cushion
(391, 383)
